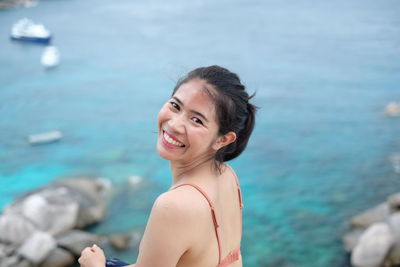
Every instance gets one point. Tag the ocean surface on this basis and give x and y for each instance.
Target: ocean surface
(323, 72)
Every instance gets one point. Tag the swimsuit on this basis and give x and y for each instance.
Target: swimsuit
(234, 254)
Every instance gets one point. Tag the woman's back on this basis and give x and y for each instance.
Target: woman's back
(214, 238)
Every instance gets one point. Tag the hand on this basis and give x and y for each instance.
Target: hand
(92, 257)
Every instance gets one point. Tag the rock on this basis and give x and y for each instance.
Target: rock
(376, 214)
(23, 263)
(34, 208)
(15, 228)
(53, 209)
(394, 224)
(28, 225)
(89, 186)
(88, 192)
(392, 109)
(58, 257)
(351, 238)
(75, 241)
(105, 185)
(394, 202)
(120, 241)
(393, 259)
(63, 205)
(13, 3)
(373, 246)
(37, 247)
(134, 180)
(7, 250)
(11, 261)
(124, 241)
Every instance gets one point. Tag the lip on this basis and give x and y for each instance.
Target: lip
(172, 137)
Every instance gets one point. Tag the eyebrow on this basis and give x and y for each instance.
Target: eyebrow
(193, 111)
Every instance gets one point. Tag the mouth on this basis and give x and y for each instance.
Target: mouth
(169, 140)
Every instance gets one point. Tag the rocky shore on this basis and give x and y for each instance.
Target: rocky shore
(45, 227)
(374, 238)
(15, 3)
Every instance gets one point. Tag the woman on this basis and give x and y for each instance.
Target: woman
(207, 121)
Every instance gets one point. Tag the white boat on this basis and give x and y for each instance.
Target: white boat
(50, 57)
(44, 138)
(26, 30)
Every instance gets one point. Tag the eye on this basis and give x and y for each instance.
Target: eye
(197, 120)
(175, 105)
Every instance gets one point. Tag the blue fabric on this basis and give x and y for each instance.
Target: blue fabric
(114, 262)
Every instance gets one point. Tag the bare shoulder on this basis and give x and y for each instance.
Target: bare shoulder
(183, 202)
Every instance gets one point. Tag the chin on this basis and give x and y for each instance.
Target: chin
(164, 153)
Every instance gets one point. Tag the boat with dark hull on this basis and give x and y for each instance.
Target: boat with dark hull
(26, 30)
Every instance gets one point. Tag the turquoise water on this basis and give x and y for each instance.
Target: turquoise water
(323, 73)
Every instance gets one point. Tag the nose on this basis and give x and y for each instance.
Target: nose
(176, 123)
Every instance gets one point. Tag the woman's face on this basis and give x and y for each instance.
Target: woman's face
(187, 127)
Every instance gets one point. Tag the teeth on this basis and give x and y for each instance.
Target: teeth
(172, 141)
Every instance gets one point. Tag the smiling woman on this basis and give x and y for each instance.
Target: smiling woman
(198, 222)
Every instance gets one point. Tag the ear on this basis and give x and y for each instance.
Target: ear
(224, 140)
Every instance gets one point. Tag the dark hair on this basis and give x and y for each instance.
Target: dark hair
(233, 110)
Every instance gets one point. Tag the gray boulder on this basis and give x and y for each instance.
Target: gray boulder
(53, 209)
(89, 193)
(351, 238)
(37, 247)
(75, 241)
(15, 261)
(15, 228)
(10, 261)
(6, 250)
(373, 246)
(120, 241)
(376, 214)
(393, 258)
(63, 205)
(58, 257)
(23, 263)
(29, 225)
(88, 186)
(394, 224)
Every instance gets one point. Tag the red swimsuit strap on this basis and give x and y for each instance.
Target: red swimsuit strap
(238, 186)
(231, 257)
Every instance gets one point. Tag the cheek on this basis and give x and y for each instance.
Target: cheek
(200, 136)
(162, 114)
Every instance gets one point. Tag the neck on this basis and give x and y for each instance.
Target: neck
(183, 172)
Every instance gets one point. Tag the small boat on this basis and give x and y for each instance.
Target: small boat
(44, 138)
(26, 30)
(50, 57)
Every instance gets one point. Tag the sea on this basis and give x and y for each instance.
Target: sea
(323, 72)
